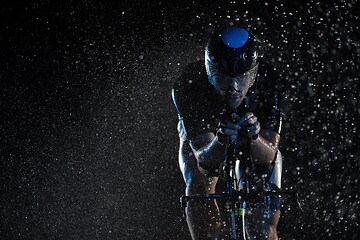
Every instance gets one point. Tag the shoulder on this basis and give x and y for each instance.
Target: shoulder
(192, 87)
(270, 91)
(270, 86)
(191, 79)
(269, 79)
(194, 98)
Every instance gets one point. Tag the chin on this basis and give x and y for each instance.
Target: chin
(234, 105)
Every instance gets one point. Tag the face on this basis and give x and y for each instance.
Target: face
(232, 92)
(233, 89)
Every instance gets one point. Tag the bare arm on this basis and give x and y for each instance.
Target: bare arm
(208, 150)
(264, 148)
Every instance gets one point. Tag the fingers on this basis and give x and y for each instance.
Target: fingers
(233, 126)
(250, 121)
(230, 125)
(246, 119)
(228, 131)
(252, 130)
(229, 128)
(248, 124)
(235, 116)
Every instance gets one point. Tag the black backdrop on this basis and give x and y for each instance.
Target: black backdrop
(88, 129)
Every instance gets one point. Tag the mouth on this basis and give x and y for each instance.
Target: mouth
(233, 98)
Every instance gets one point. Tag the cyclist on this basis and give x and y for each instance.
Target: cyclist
(243, 93)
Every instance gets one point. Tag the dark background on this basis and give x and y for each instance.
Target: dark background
(88, 130)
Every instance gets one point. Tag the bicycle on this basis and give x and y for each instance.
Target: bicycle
(239, 191)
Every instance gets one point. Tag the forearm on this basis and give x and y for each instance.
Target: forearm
(263, 151)
(211, 155)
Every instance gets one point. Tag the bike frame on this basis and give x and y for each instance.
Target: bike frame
(235, 197)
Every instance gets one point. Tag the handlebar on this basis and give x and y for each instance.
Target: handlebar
(242, 195)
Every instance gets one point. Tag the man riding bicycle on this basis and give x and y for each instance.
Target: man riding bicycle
(234, 99)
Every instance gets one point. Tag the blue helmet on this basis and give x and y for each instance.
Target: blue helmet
(231, 52)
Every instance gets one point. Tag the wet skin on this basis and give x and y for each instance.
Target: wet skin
(232, 93)
(203, 215)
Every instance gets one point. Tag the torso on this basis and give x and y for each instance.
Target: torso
(201, 108)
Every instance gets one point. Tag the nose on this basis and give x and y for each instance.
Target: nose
(231, 90)
(233, 86)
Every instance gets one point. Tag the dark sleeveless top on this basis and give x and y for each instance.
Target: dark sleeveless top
(200, 108)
